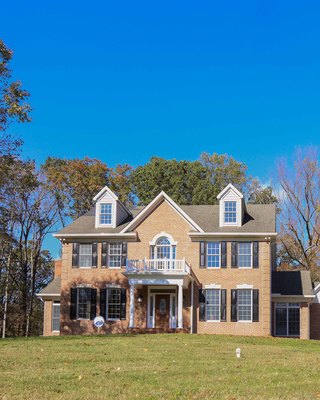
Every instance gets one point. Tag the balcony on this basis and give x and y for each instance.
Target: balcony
(158, 266)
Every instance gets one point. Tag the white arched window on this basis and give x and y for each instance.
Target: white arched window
(163, 249)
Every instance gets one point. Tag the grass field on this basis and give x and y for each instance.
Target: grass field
(163, 366)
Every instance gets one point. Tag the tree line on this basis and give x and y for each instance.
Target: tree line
(38, 200)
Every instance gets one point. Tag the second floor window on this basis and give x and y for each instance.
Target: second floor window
(105, 213)
(213, 254)
(115, 253)
(85, 255)
(245, 254)
(230, 212)
(163, 249)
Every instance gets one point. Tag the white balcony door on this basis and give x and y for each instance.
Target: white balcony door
(163, 250)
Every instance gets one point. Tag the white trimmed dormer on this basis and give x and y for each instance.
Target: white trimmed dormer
(231, 207)
(110, 212)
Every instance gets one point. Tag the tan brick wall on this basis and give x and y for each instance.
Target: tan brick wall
(304, 321)
(165, 219)
(315, 321)
(47, 319)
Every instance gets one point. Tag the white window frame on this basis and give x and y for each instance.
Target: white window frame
(229, 212)
(251, 255)
(77, 305)
(214, 320)
(111, 214)
(110, 255)
(107, 304)
(251, 314)
(86, 255)
(55, 304)
(207, 255)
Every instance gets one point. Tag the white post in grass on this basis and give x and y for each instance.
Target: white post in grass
(131, 322)
(180, 307)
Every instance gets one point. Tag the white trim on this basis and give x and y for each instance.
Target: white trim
(113, 286)
(119, 235)
(162, 234)
(251, 256)
(230, 187)
(244, 286)
(212, 286)
(154, 203)
(103, 191)
(267, 235)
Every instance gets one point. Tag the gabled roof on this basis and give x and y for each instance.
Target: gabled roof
(103, 191)
(227, 188)
(52, 289)
(162, 196)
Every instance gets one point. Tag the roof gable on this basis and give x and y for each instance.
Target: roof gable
(228, 188)
(162, 196)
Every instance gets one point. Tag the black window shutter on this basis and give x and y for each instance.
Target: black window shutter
(73, 303)
(75, 255)
(103, 299)
(203, 254)
(223, 254)
(234, 303)
(255, 306)
(123, 306)
(124, 254)
(223, 316)
(202, 305)
(94, 255)
(234, 255)
(104, 254)
(93, 309)
(255, 260)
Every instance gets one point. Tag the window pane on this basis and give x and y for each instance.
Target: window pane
(213, 254)
(115, 252)
(163, 248)
(105, 213)
(84, 303)
(281, 321)
(85, 255)
(230, 211)
(56, 317)
(244, 254)
(244, 305)
(294, 321)
(213, 304)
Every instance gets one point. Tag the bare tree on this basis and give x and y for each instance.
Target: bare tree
(299, 210)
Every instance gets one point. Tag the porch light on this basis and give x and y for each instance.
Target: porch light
(140, 298)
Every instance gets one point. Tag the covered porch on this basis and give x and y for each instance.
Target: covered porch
(161, 295)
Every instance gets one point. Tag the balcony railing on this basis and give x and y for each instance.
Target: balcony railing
(164, 266)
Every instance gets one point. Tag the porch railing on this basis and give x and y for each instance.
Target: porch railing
(158, 265)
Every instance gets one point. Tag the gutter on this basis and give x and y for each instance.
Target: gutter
(131, 235)
(200, 235)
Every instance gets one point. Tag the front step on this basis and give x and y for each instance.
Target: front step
(156, 330)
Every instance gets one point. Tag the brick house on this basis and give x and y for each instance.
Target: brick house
(166, 268)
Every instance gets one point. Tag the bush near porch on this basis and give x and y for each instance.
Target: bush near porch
(159, 366)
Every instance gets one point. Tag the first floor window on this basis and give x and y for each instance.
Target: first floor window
(113, 306)
(85, 255)
(213, 254)
(115, 253)
(287, 319)
(56, 316)
(244, 254)
(244, 305)
(213, 304)
(83, 303)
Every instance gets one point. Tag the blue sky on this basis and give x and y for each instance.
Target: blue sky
(126, 80)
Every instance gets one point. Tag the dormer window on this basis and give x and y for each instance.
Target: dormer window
(230, 212)
(105, 214)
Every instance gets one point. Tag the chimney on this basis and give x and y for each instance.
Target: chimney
(57, 268)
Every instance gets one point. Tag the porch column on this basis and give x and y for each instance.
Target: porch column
(131, 322)
(180, 307)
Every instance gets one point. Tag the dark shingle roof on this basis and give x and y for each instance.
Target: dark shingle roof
(258, 218)
(292, 283)
(54, 287)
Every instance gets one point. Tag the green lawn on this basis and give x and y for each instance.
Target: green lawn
(159, 367)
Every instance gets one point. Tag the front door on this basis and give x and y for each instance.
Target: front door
(162, 306)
